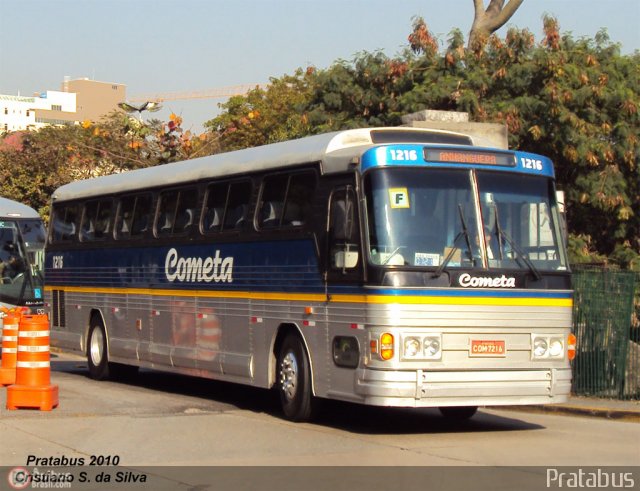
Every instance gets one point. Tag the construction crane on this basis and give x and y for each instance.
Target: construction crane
(218, 93)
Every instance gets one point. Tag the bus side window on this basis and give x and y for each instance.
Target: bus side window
(344, 235)
(237, 205)
(177, 211)
(141, 215)
(64, 223)
(186, 211)
(299, 197)
(285, 199)
(274, 190)
(213, 210)
(96, 220)
(124, 217)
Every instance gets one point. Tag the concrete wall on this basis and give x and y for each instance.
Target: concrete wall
(484, 134)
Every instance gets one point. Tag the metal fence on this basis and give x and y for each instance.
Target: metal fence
(606, 323)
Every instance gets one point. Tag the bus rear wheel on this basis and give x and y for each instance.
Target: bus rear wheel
(459, 413)
(294, 380)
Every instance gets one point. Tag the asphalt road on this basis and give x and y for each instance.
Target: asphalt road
(160, 419)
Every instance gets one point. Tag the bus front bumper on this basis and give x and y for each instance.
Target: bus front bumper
(420, 388)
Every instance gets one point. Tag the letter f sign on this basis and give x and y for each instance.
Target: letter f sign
(399, 197)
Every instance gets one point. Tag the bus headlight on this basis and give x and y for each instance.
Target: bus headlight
(422, 347)
(540, 347)
(544, 347)
(556, 348)
(432, 348)
(412, 347)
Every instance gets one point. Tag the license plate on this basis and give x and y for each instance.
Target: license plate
(484, 347)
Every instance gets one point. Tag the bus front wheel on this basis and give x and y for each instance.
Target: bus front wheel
(97, 357)
(294, 380)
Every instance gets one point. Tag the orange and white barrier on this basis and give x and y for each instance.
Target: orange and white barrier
(33, 387)
(11, 323)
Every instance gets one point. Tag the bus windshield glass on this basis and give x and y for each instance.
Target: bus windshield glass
(21, 262)
(460, 218)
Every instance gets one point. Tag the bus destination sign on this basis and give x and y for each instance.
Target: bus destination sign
(463, 156)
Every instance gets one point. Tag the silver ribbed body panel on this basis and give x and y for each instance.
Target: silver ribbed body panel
(232, 338)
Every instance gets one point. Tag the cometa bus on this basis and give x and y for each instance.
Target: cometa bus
(388, 266)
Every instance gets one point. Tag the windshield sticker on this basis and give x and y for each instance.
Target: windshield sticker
(399, 197)
(426, 259)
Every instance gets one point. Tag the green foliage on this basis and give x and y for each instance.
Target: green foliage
(264, 116)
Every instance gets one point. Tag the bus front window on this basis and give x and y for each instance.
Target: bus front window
(521, 222)
(21, 262)
(419, 218)
(429, 218)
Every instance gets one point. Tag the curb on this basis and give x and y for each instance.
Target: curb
(590, 411)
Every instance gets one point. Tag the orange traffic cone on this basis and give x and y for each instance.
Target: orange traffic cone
(11, 322)
(33, 370)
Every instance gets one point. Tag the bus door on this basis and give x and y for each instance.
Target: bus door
(344, 275)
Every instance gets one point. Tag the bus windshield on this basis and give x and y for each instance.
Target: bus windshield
(460, 218)
(21, 261)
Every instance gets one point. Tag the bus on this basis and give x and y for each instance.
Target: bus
(396, 267)
(22, 241)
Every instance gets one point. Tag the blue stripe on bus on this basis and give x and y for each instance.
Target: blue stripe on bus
(272, 267)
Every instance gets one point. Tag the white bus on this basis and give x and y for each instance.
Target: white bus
(387, 266)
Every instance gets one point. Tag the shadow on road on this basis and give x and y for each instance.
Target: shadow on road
(340, 415)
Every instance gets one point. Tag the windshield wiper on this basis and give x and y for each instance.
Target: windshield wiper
(501, 233)
(465, 231)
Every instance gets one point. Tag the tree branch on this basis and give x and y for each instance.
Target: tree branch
(490, 20)
(505, 14)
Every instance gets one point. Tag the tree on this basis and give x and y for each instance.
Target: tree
(264, 116)
(487, 21)
(33, 164)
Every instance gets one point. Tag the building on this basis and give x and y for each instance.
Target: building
(22, 113)
(94, 99)
(79, 100)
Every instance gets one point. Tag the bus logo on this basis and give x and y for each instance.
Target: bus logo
(468, 281)
(197, 269)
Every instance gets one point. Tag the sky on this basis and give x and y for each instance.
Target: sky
(155, 46)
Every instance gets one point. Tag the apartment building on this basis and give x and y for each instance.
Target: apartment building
(78, 100)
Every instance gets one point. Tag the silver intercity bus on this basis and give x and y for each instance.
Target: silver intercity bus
(387, 266)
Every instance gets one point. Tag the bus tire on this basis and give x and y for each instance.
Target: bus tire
(294, 380)
(458, 413)
(97, 356)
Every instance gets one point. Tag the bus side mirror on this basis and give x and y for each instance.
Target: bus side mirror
(345, 259)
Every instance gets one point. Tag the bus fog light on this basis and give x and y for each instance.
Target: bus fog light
(540, 347)
(432, 347)
(412, 347)
(556, 348)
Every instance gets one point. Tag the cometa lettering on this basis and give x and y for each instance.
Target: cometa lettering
(468, 281)
(196, 269)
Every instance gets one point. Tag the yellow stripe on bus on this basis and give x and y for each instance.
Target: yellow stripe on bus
(338, 298)
(460, 300)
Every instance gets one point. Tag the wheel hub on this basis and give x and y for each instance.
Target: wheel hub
(96, 346)
(289, 376)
